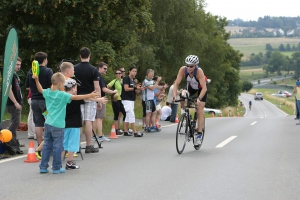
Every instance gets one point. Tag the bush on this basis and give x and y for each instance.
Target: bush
(247, 85)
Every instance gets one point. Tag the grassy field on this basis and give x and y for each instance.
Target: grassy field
(247, 46)
(252, 73)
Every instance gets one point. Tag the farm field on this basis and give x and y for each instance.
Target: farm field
(247, 46)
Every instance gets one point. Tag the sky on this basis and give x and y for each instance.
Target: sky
(252, 10)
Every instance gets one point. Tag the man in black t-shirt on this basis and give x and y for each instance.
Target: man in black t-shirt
(38, 104)
(89, 78)
(14, 103)
(100, 114)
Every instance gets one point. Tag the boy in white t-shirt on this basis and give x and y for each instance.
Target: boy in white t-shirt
(166, 112)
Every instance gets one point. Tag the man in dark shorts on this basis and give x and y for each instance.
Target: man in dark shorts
(38, 104)
(89, 78)
(196, 83)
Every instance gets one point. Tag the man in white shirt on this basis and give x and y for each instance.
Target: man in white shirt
(166, 112)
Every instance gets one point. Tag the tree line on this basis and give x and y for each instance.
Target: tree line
(145, 33)
(285, 23)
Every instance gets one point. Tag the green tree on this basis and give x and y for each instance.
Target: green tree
(288, 47)
(296, 64)
(281, 47)
(247, 85)
(277, 62)
(269, 47)
(61, 27)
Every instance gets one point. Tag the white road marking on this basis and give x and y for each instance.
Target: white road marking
(222, 144)
(14, 158)
(253, 123)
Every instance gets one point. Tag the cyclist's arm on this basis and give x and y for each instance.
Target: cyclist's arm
(200, 76)
(178, 81)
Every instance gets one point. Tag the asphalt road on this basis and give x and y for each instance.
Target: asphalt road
(264, 81)
(250, 157)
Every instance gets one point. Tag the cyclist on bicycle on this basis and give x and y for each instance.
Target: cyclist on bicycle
(196, 83)
(250, 104)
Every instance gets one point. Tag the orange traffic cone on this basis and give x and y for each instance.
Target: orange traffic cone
(239, 115)
(31, 157)
(176, 119)
(228, 115)
(113, 134)
(212, 114)
(221, 115)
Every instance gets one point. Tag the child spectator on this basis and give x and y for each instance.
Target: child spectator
(56, 102)
(166, 112)
(37, 100)
(73, 116)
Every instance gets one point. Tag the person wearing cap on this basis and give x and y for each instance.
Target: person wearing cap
(56, 102)
(116, 101)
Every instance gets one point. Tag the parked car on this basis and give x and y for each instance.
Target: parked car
(211, 110)
(279, 94)
(288, 94)
(258, 95)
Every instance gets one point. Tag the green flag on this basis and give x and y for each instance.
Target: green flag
(10, 59)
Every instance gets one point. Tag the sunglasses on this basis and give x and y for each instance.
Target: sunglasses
(118, 73)
(190, 66)
(123, 71)
(105, 68)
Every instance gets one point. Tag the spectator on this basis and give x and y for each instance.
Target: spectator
(297, 108)
(148, 103)
(158, 97)
(14, 106)
(128, 96)
(31, 134)
(117, 104)
(37, 100)
(166, 112)
(89, 77)
(123, 72)
(297, 95)
(174, 105)
(56, 101)
(100, 114)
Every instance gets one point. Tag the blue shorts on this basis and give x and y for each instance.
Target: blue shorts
(71, 139)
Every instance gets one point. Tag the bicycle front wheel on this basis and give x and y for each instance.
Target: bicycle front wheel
(182, 133)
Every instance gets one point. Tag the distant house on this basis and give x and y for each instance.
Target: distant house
(290, 33)
(278, 32)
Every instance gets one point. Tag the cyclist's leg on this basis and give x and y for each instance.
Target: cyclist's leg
(200, 111)
(182, 94)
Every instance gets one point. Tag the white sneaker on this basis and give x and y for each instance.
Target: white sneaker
(197, 140)
(105, 138)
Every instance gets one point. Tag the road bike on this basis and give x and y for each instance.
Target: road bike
(187, 126)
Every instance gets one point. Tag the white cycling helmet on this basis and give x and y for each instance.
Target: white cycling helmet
(192, 60)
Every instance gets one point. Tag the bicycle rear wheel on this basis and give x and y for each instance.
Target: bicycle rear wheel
(182, 133)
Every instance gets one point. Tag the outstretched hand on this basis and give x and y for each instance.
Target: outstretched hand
(94, 94)
(103, 100)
